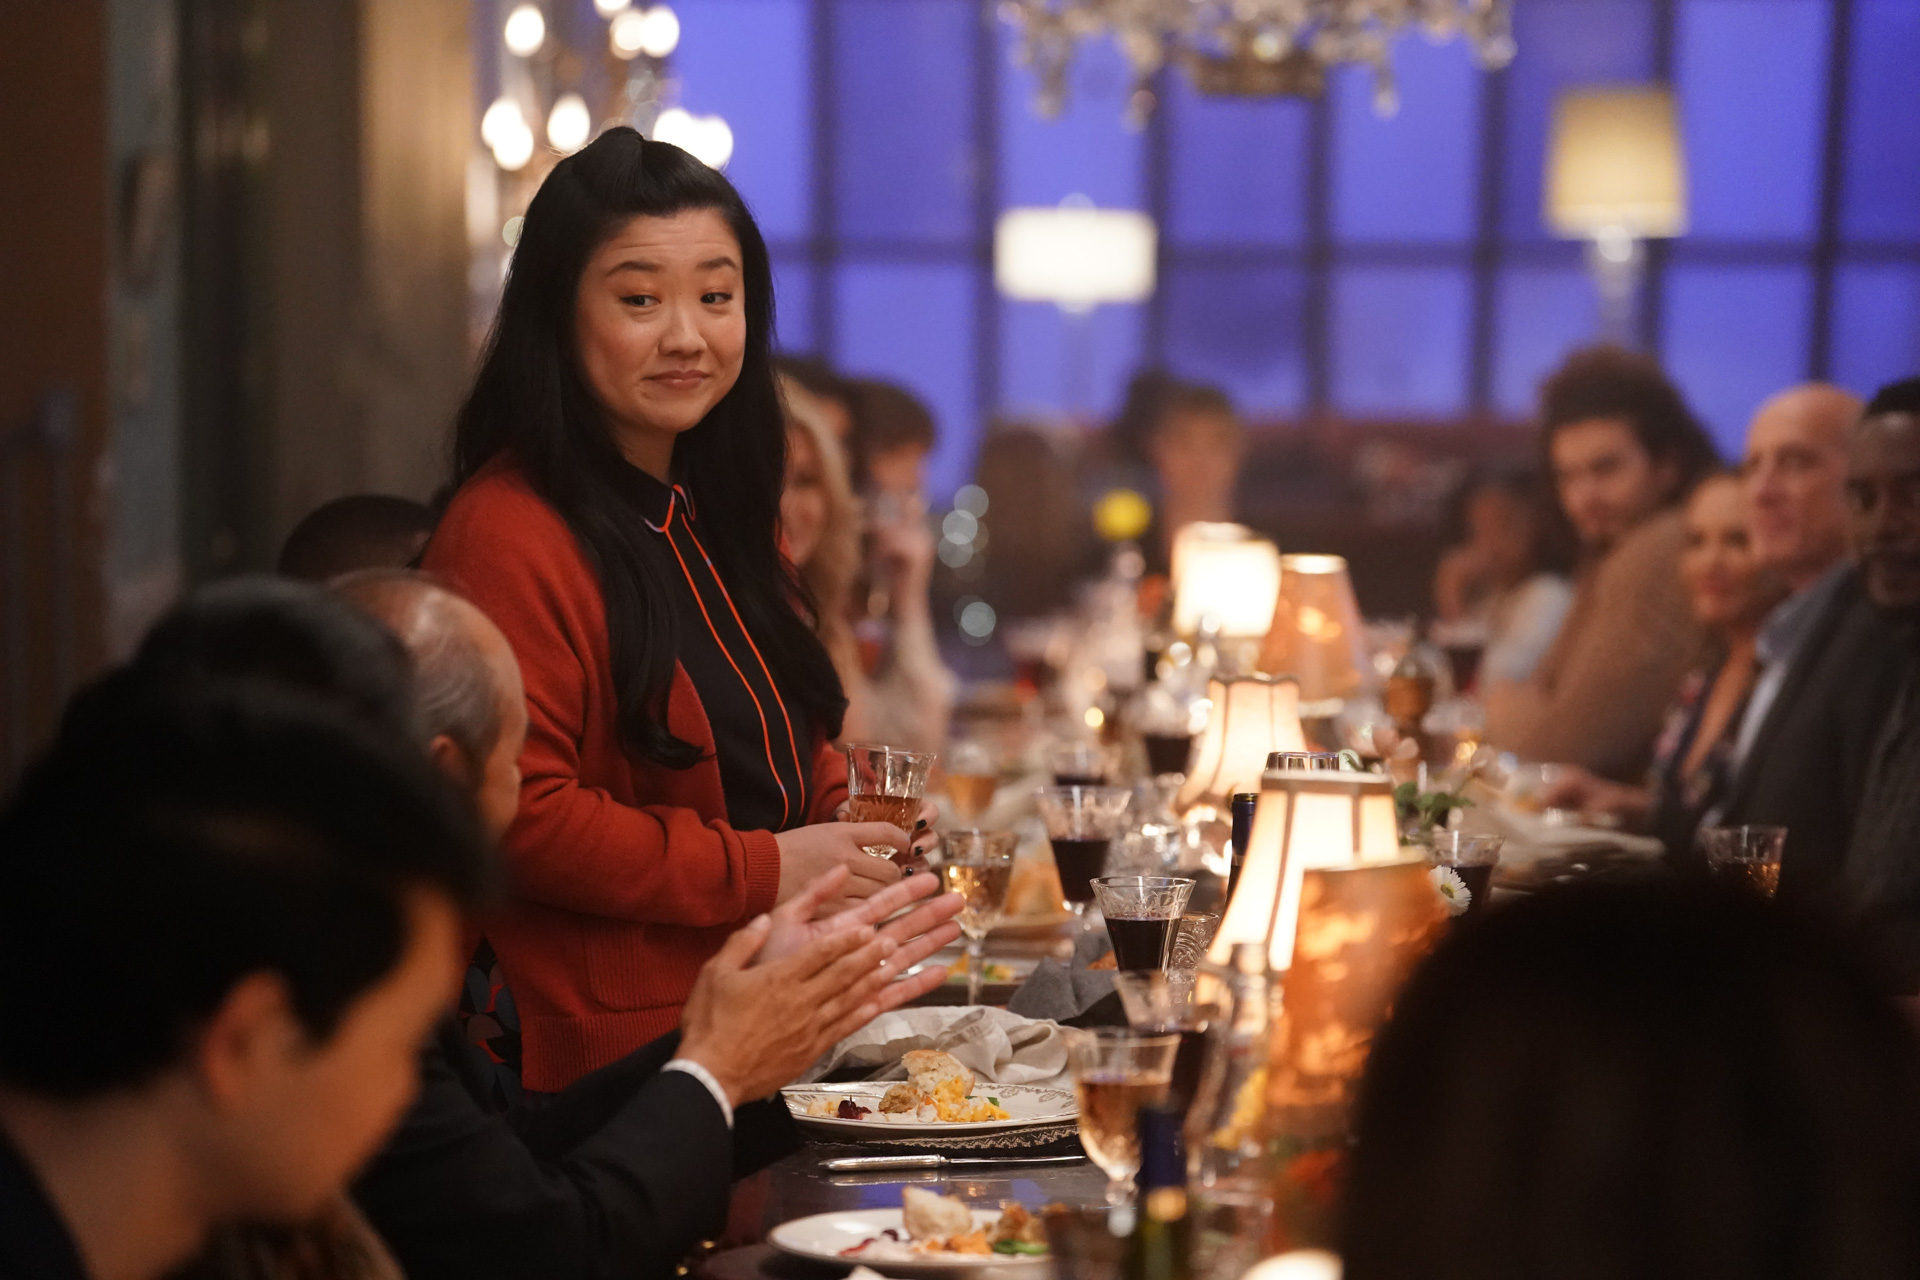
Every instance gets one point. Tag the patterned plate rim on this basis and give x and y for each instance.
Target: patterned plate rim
(798, 1095)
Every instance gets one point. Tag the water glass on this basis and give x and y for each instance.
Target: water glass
(1115, 1073)
(977, 865)
(1464, 866)
(886, 784)
(1747, 856)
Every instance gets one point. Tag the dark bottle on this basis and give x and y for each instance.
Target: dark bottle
(1243, 804)
(1162, 1243)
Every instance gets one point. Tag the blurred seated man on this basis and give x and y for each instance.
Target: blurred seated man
(1195, 444)
(234, 916)
(1624, 449)
(622, 1173)
(1638, 1082)
(1881, 876)
(361, 531)
(1829, 661)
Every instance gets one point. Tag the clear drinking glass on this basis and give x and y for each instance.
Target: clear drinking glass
(1081, 823)
(1080, 764)
(1471, 859)
(1142, 913)
(886, 784)
(1115, 1073)
(977, 865)
(1748, 856)
(973, 775)
(1160, 1003)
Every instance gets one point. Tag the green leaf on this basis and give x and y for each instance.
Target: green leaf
(1019, 1247)
(994, 1101)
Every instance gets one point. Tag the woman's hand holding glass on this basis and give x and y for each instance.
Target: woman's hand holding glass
(808, 853)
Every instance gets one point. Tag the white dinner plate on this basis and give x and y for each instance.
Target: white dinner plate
(824, 1236)
(1030, 1105)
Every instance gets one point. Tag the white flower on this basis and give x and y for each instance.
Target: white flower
(1452, 889)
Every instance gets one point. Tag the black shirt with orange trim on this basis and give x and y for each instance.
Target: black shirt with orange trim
(763, 739)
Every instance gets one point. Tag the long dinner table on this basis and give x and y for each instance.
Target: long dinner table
(797, 1187)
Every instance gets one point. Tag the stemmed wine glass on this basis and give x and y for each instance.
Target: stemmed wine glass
(886, 784)
(977, 865)
(1081, 823)
(1115, 1073)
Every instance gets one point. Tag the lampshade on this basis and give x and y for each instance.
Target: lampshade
(1075, 255)
(1225, 574)
(1615, 164)
(1252, 717)
(1316, 635)
(1305, 819)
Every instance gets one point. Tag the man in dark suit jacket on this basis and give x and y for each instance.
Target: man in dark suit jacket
(1829, 662)
(626, 1170)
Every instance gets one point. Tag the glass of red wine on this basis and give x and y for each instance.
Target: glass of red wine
(1463, 866)
(1161, 1003)
(1142, 913)
(1079, 764)
(1081, 823)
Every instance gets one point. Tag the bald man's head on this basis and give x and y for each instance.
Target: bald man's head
(472, 703)
(1795, 468)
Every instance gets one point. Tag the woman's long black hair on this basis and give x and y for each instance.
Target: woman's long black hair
(531, 400)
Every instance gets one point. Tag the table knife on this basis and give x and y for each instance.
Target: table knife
(880, 1164)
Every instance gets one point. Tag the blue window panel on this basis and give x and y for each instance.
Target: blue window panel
(1243, 329)
(1411, 177)
(1237, 167)
(914, 324)
(748, 61)
(903, 110)
(793, 285)
(1880, 192)
(1733, 337)
(1876, 325)
(1540, 314)
(1086, 150)
(1053, 364)
(1751, 78)
(1400, 338)
(1562, 43)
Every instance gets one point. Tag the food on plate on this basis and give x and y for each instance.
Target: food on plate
(1034, 890)
(938, 1090)
(927, 1215)
(935, 1224)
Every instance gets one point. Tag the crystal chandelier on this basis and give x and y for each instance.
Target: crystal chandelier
(1248, 48)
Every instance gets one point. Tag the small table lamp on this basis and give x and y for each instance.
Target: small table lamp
(1253, 717)
(1225, 576)
(1616, 176)
(1306, 818)
(1315, 633)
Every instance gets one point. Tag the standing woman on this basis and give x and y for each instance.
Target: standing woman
(619, 464)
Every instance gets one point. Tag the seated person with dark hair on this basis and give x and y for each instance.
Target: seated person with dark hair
(1663, 1081)
(360, 531)
(1623, 449)
(1881, 875)
(234, 914)
(623, 1172)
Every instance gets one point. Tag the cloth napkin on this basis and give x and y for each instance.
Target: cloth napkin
(1066, 993)
(998, 1046)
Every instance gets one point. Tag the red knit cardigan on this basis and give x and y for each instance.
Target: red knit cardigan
(625, 875)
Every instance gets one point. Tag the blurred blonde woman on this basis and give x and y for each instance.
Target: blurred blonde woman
(907, 696)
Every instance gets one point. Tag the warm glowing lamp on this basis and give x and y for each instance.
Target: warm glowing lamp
(1226, 577)
(1075, 256)
(1253, 717)
(1316, 635)
(1616, 176)
(1306, 818)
